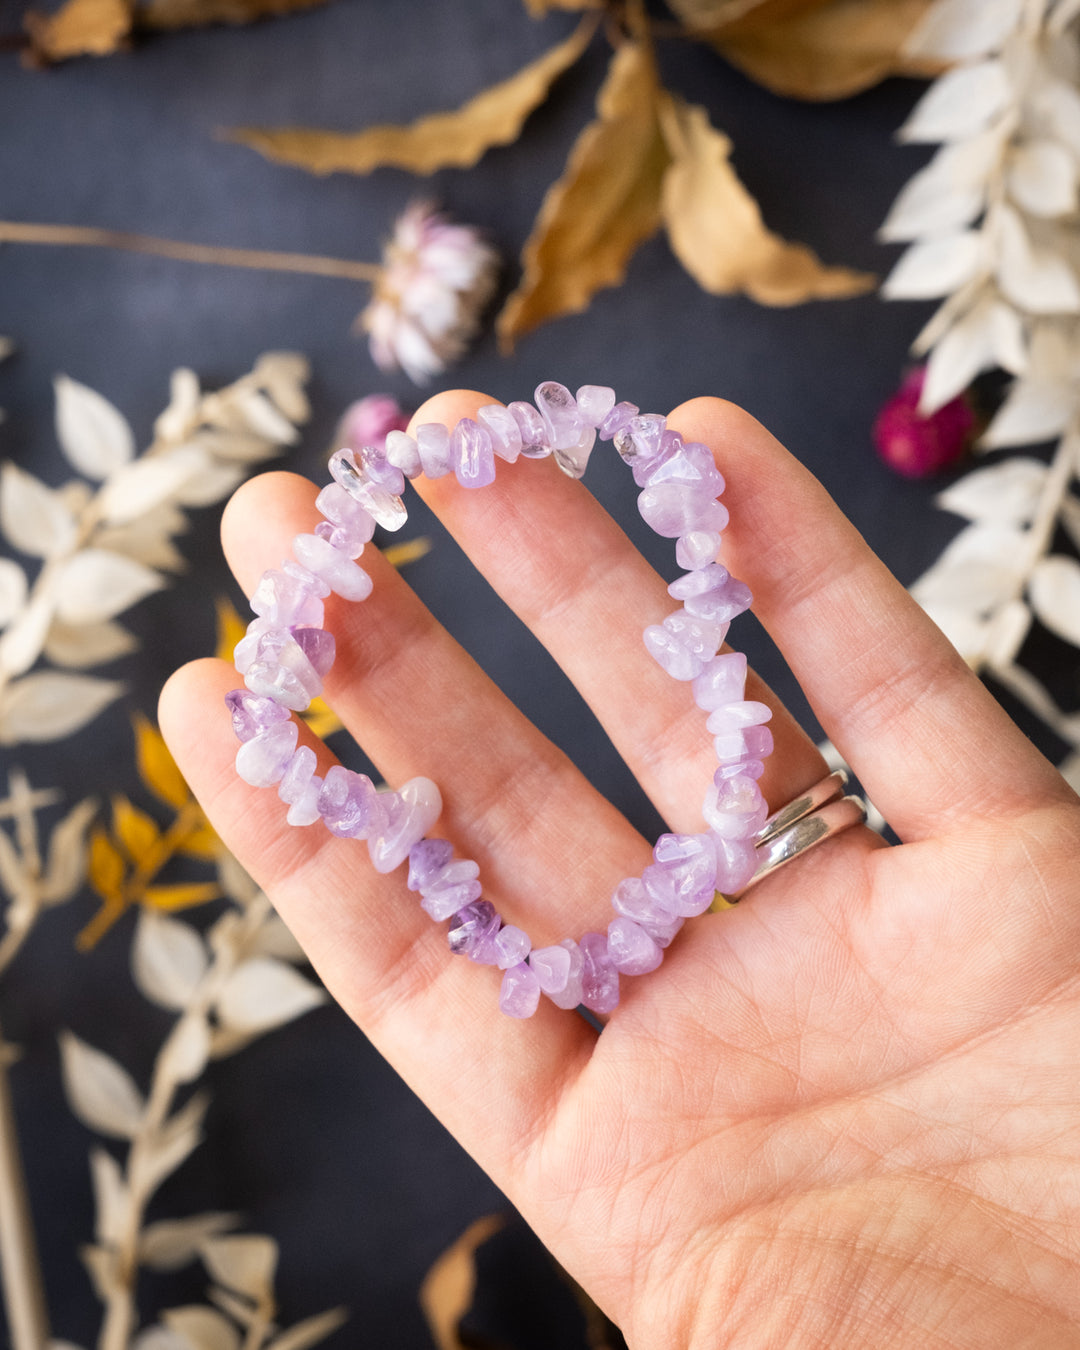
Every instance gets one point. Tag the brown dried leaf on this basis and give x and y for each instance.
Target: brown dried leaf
(171, 14)
(107, 867)
(180, 895)
(830, 51)
(79, 28)
(452, 139)
(446, 1293)
(604, 205)
(716, 230)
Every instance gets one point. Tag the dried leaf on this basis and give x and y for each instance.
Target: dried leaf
(245, 1264)
(13, 589)
(202, 1328)
(310, 1331)
(88, 644)
(158, 1337)
(112, 1199)
(202, 842)
(959, 30)
(168, 960)
(219, 481)
(23, 642)
(173, 14)
(49, 706)
(978, 341)
(140, 486)
(948, 194)
(34, 518)
(172, 1243)
(101, 1092)
(604, 205)
(15, 876)
(68, 853)
(538, 8)
(93, 434)
(283, 376)
(180, 895)
(264, 993)
(230, 628)
(715, 226)
(446, 1293)
(1042, 178)
(185, 1054)
(704, 16)
(1035, 410)
(96, 584)
(100, 1265)
(176, 1140)
(830, 52)
(935, 267)
(80, 28)
(263, 419)
(107, 868)
(959, 104)
(1007, 492)
(275, 939)
(156, 766)
(443, 140)
(978, 570)
(1038, 280)
(1054, 591)
(135, 830)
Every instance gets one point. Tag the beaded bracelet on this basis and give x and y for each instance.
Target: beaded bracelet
(286, 653)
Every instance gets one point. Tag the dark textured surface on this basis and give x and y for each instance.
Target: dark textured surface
(311, 1136)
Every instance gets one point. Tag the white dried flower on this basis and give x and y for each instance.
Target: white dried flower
(436, 280)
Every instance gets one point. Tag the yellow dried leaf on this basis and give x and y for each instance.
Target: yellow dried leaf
(181, 895)
(157, 768)
(715, 226)
(230, 629)
(79, 28)
(171, 14)
(106, 868)
(135, 830)
(399, 555)
(202, 842)
(444, 140)
(604, 205)
(830, 52)
(322, 719)
(446, 1293)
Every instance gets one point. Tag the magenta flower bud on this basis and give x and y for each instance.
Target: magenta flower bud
(368, 421)
(917, 446)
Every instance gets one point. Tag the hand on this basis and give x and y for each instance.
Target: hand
(846, 1112)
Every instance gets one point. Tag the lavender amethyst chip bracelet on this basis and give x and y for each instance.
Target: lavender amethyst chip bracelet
(286, 653)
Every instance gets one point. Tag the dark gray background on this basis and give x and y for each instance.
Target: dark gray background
(311, 1135)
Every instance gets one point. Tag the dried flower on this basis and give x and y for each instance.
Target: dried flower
(369, 420)
(917, 446)
(437, 278)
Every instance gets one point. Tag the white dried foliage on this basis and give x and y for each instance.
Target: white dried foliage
(36, 874)
(102, 542)
(991, 225)
(224, 990)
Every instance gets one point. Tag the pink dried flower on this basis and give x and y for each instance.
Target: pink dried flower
(917, 446)
(368, 420)
(436, 280)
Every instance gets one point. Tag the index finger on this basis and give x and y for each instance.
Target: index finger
(930, 744)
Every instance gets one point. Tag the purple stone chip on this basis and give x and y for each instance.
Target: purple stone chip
(252, 714)
(599, 978)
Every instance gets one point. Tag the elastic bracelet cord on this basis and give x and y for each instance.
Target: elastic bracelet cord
(286, 653)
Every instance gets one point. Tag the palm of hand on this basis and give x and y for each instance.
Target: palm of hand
(841, 1113)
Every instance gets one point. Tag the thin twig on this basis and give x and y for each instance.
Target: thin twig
(20, 232)
(24, 1295)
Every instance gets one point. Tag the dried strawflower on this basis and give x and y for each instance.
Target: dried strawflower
(436, 280)
(369, 420)
(917, 445)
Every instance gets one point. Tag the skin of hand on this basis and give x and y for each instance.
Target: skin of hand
(844, 1113)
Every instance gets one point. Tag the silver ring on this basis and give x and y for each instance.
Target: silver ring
(813, 828)
(829, 789)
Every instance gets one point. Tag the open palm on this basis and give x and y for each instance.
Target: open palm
(845, 1113)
